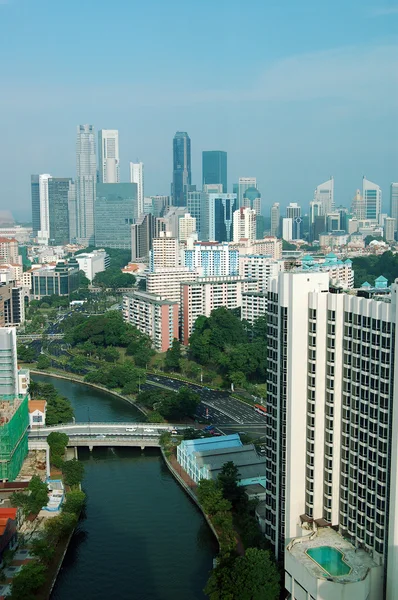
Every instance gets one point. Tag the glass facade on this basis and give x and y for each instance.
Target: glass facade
(115, 212)
(221, 210)
(214, 168)
(58, 207)
(181, 168)
(60, 281)
(35, 192)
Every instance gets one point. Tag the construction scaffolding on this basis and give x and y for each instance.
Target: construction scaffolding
(14, 423)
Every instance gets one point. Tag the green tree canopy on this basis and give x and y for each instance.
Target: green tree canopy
(59, 409)
(173, 356)
(253, 576)
(27, 581)
(26, 353)
(228, 480)
(33, 501)
(74, 502)
(73, 472)
(113, 278)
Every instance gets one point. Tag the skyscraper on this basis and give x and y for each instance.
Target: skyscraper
(197, 206)
(293, 211)
(214, 168)
(275, 219)
(108, 155)
(59, 191)
(181, 168)
(43, 231)
(115, 212)
(372, 200)
(393, 203)
(244, 184)
(137, 176)
(244, 226)
(324, 194)
(358, 206)
(221, 210)
(86, 178)
(35, 195)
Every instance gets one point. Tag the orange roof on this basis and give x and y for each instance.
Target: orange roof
(4, 239)
(36, 405)
(9, 513)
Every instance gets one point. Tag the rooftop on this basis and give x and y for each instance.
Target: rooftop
(211, 444)
(357, 560)
(249, 463)
(37, 405)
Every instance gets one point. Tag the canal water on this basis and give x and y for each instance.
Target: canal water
(141, 537)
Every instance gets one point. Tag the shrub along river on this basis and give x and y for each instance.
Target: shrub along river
(141, 537)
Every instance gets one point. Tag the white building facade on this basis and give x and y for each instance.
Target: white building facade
(211, 258)
(186, 227)
(164, 253)
(108, 154)
(244, 224)
(137, 176)
(86, 179)
(92, 263)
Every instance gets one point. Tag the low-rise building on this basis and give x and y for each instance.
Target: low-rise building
(61, 279)
(37, 413)
(92, 263)
(270, 246)
(205, 294)
(154, 316)
(204, 459)
(8, 530)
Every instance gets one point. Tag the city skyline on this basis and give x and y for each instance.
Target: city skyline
(299, 83)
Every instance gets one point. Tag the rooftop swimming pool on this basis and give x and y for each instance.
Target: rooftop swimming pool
(330, 560)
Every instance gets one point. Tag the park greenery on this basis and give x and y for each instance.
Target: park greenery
(237, 350)
(113, 278)
(368, 268)
(59, 409)
(170, 405)
(72, 470)
(253, 575)
(32, 501)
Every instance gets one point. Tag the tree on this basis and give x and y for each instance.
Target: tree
(113, 278)
(253, 576)
(228, 479)
(210, 496)
(78, 363)
(288, 246)
(58, 442)
(155, 417)
(26, 353)
(34, 500)
(173, 356)
(61, 526)
(142, 284)
(73, 472)
(74, 502)
(27, 581)
(43, 362)
(42, 549)
(84, 282)
(111, 355)
(59, 409)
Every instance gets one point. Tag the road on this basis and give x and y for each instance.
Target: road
(107, 429)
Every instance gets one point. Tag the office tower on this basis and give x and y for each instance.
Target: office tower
(172, 219)
(59, 194)
(186, 227)
(181, 168)
(343, 212)
(72, 211)
(59, 280)
(12, 304)
(244, 224)
(197, 206)
(43, 231)
(252, 199)
(393, 203)
(164, 253)
(358, 206)
(142, 234)
(115, 212)
(108, 156)
(86, 178)
(389, 229)
(287, 229)
(210, 258)
(160, 205)
(324, 194)
(293, 211)
(371, 193)
(214, 168)
(137, 176)
(35, 195)
(244, 184)
(275, 219)
(221, 209)
(333, 222)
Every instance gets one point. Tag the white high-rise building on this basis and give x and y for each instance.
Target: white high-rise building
(210, 258)
(244, 184)
(332, 433)
(389, 229)
(244, 224)
(44, 233)
(186, 227)
(287, 229)
(371, 194)
(324, 194)
(86, 178)
(394, 203)
(164, 253)
(8, 362)
(137, 176)
(108, 152)
(275, 218)
(261, 268)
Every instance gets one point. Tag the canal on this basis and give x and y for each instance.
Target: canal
(141, 537)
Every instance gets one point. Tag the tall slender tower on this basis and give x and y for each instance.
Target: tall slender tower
(44, 231)
(86, 176)
(181, 168)
(137, 176)
(108, 154)
(371, 193)
(394, 204)
(324, 194)
(244, 184)
(275, 219)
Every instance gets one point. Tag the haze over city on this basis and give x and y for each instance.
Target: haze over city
(294, 94)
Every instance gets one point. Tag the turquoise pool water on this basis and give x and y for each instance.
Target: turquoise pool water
(330, 560)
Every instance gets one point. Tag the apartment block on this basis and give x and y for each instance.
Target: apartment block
(167, 282)
(254, 306)
(211, 258)
(261, 268)
(331, 429)
(9, 251)
(269, 246)
(205, 294)
(164, 253)
(155, 317)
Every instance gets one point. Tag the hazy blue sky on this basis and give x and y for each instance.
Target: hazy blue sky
(293, 91)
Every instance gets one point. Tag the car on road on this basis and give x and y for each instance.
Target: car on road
(173, 431)
(100, 437)
(131, 429)
(149, 431)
